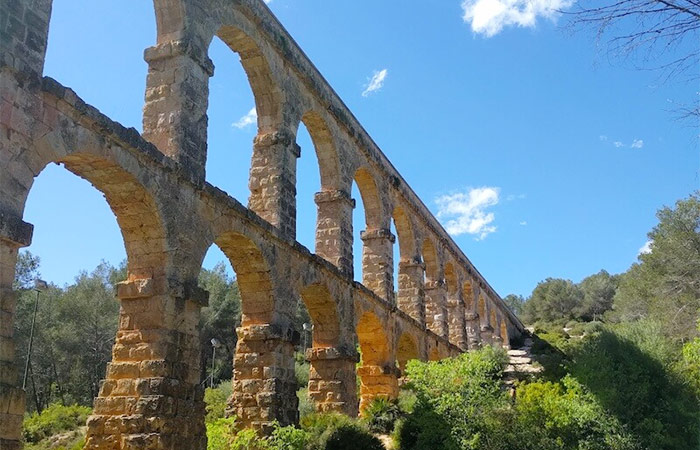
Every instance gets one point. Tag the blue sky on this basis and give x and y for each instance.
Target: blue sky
(542, 155)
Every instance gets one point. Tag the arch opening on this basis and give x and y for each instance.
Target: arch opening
(406, 350)
(377, 370)
(78, 312)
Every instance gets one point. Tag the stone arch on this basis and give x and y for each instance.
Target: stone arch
(324, 315)
(332, 380)
(139, 217)
(451, 279)
(504, 332)
(455, 307)
(253, 277)
(468, 295)
(406, 350)
(268, 97)
(325, 148)
(493, 319)
(404, 231)
(483, 318)
(430, 258)
(136, 211)
(371, 199)
(377, 370)
(434, 354)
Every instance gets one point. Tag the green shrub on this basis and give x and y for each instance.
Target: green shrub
(407, 401)
(630, 369)
(301, 370)
(306, 406)
(216, 400)
(565, 415)
(352, 437)
(220, 433)
(52, 420)
(381, 415)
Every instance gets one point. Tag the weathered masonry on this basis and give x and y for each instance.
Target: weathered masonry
(169, 216)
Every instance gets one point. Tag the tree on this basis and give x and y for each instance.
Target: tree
(74, 334)
(598, 293)
(553, 300)
(26, 270)
(515, 303)
(663, 32)
(219, 321)
(665, 284)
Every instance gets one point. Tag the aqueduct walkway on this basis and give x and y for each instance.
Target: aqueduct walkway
(169, 217)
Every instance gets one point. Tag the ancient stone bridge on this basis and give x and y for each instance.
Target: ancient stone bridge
(169, 216)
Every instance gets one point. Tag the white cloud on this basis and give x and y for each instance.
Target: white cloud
(646, 248)
(603, 137)
(247, 120)
(489, 17)
(465, 212)
(267, 1)
(637, 143)
(375, 83)
(523, 223)
(618, 144)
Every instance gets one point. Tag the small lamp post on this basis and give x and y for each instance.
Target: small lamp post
(308, 327)
(39, 286)
(215, 343)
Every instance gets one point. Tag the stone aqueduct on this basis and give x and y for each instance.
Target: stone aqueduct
(169, 217)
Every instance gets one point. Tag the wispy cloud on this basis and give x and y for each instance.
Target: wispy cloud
(376, 82)
(247, 120)
(466, 212)
(489, 17)
(646, 248)
(523, 223)
(636, 143)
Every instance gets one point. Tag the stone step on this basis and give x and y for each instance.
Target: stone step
(518, 352)
(520, 360)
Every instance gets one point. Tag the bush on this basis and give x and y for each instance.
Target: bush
(381, 415)
(216, 400)
(52, 420)
(352, 437)
(630, 369)
(301, 370)
(565, 415)
(455, 398)
(306, 406)
(220, 433)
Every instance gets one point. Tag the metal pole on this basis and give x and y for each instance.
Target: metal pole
(213, 360)
(31, 341)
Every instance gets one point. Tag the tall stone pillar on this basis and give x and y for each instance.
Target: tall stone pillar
(334, 228)
(378, 381)
(471, 316)
(14, 233)
(412, 290)
(151, 397)
(486, 333)
(273, 179)
(377, 262)
(264, 385)
(473, 330)
(436, 307)
(177, 97)
(457, 324)
(332, 380)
